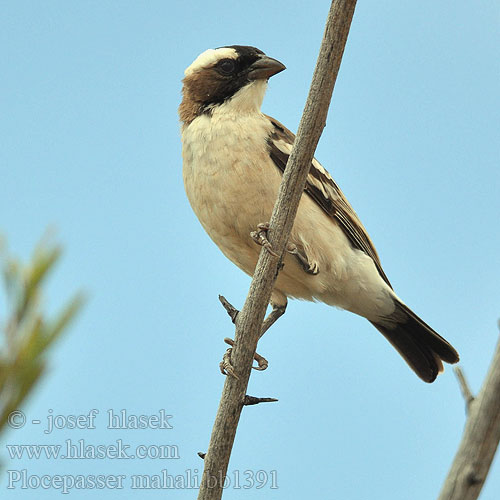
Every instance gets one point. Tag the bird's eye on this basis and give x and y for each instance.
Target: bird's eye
(226, 66)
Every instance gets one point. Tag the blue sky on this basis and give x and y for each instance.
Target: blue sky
(90, 146)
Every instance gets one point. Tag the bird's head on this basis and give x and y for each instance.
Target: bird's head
(233, 76)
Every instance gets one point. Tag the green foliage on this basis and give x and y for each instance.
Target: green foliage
(27, 332)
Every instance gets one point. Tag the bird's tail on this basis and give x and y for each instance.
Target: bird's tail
(421, 347)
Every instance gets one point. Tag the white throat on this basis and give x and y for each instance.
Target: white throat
(246, 101)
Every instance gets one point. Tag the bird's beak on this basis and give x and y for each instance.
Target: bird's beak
(264, 68)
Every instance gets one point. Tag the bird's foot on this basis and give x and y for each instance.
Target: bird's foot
(226, 367)
(260, 237)
(310, 267)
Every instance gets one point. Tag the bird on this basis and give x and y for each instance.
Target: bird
(234, 156)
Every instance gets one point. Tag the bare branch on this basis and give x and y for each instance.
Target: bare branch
(464, 387)
(479, 441)
(249, 320)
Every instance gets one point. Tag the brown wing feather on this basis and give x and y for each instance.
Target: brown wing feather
(324, 191)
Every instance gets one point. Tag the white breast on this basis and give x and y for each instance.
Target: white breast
(232, 185)
(228, 180)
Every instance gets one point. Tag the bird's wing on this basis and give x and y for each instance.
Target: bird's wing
(324, 191)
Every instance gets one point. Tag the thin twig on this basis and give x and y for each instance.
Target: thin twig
(464, 387)
(249, 320)
(479, 441)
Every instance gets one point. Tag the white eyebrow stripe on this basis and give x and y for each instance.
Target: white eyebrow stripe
(209, 57)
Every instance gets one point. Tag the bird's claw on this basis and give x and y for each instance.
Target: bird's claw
(226, 367)
(261, 361)
(310, 267)
(260, 237)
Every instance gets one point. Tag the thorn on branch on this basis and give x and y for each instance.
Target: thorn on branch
(252, 400)
(202, 455)
(230, 309)
(464, 387)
